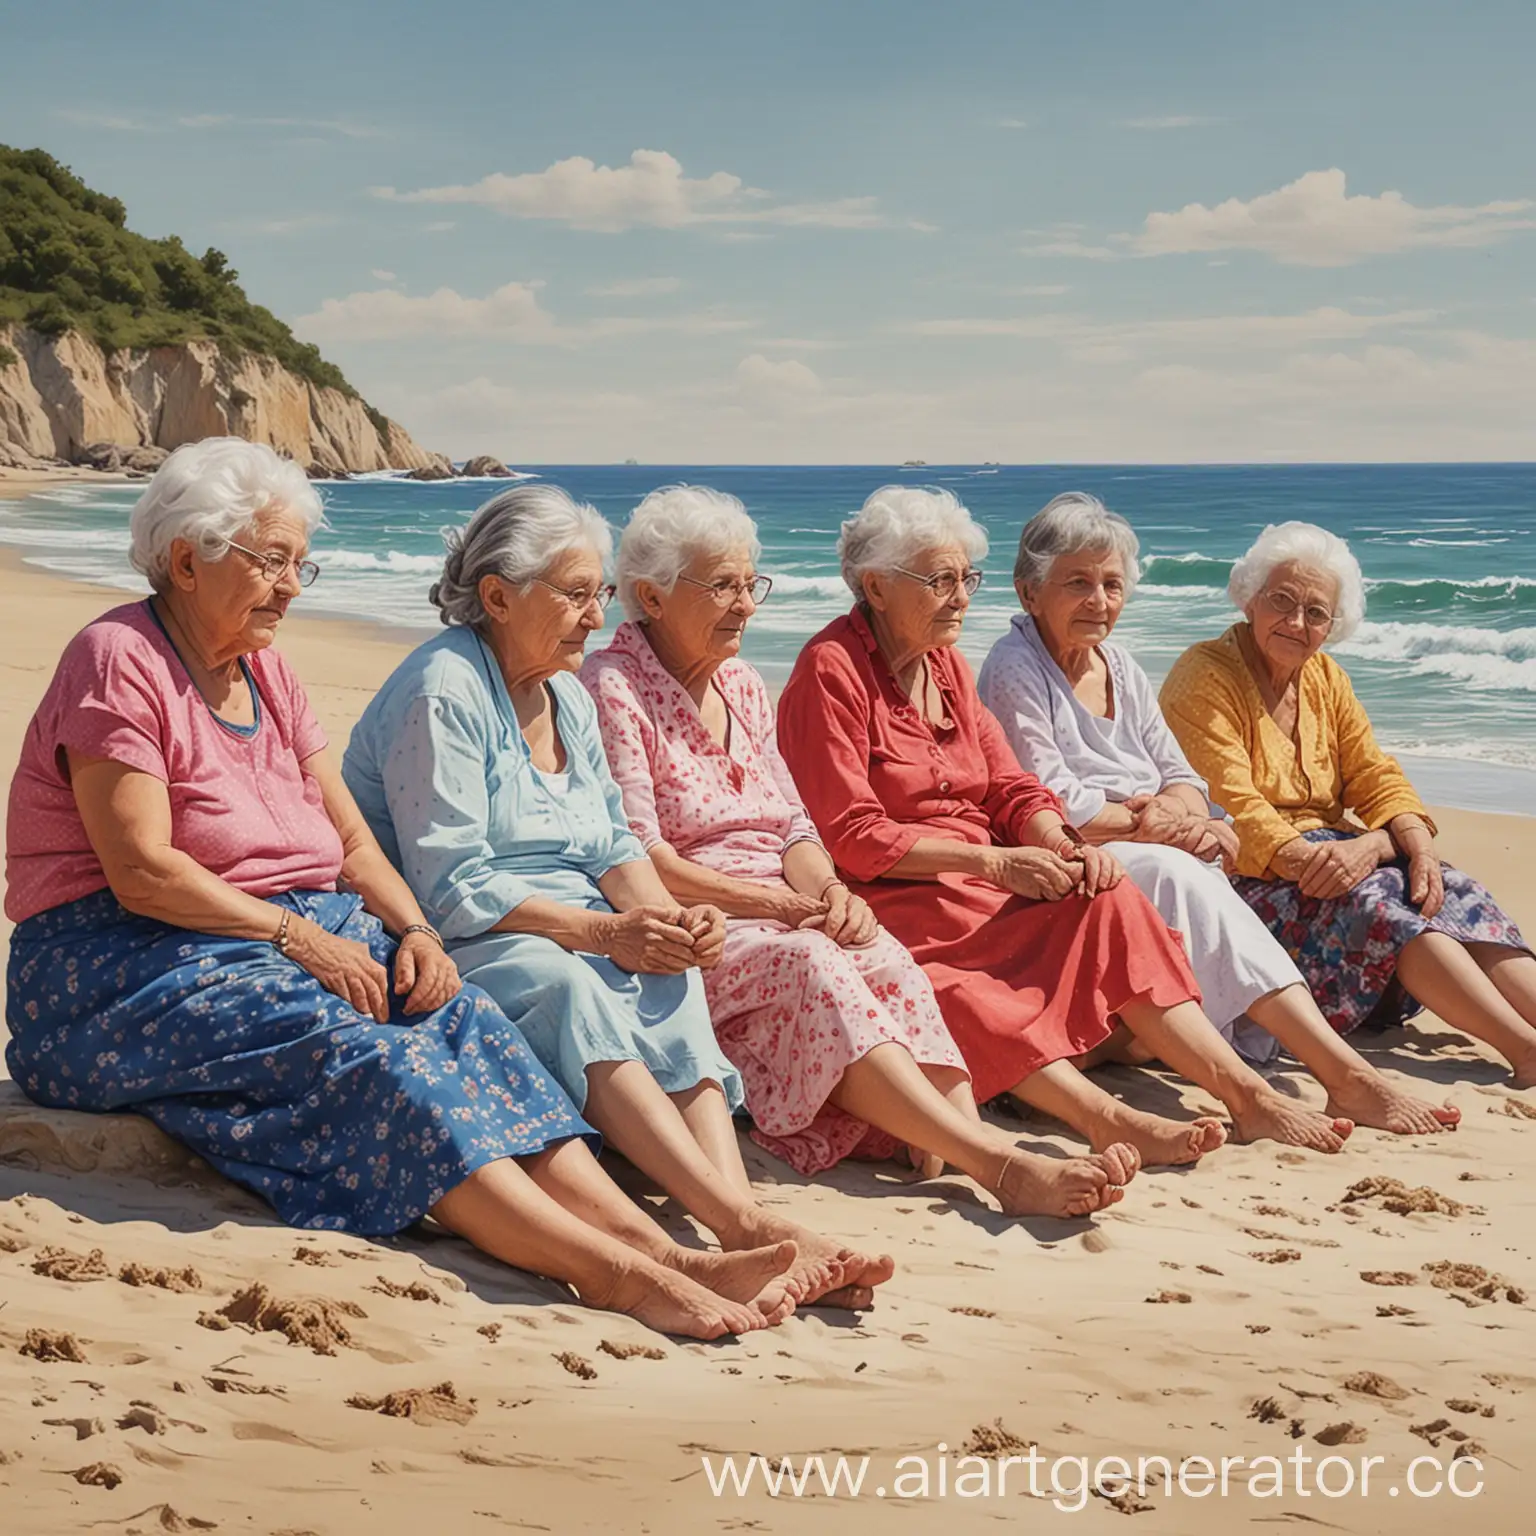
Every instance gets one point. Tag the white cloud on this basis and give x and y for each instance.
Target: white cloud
(650, 190)
(386, 314)
(512, 311)
(786, 385)
(1314, 222)
(1160, 124)
(1092, 339)
(382, 275)
(635, 287)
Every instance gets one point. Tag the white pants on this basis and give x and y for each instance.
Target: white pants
(1235, 958)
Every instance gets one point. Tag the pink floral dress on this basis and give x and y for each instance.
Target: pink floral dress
(791, 1009)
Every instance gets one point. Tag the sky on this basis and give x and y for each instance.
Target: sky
(847, 231)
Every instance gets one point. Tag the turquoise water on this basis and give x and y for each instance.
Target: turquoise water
(1446, 660)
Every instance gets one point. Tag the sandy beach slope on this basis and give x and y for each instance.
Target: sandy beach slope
(171, 1359)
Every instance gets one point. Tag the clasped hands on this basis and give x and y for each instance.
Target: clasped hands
(1160, 819)
(660, 939)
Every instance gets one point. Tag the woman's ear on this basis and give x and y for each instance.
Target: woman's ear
(180, 568)
(1026, 600)
(650, 599)
(874, 591)
(493, 598)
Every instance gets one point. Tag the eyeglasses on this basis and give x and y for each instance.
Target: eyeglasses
(581, 598)
(731, 591)
(1314, 614)
(944, 584)
(274, 564)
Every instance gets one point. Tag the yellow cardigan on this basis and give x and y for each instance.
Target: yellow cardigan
(1273, 789)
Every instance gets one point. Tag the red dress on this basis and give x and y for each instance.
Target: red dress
(1021, 983)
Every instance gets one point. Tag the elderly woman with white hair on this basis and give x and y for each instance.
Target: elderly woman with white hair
(832, 1024)
(1336, 851)
(1034, 941)
(480, 768)
(1082, 715)
(178, 838)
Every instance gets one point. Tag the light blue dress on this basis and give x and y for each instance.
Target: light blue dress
(441, 772)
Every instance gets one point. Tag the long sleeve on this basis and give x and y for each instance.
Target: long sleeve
(1375, 787)
(1014, 798)
(824, 722)
(1209, 721)
(1013, 693)
(629, 739)
(435, 785)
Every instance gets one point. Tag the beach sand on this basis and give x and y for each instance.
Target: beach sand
(1222, 1311)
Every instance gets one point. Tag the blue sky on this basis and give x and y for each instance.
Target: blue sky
(857, 232)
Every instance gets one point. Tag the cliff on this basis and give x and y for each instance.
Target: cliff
(60, 395)
(109, 337)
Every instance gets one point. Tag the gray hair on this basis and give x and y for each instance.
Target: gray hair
(1069, 524)
(209, 492)
(516, 535)
(897, 522)
(670, 529)
(1307, 544)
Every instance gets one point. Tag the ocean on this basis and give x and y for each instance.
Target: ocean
(1445, 662)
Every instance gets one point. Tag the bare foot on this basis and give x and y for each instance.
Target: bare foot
(1160, 1141)
(822, 1265)
(1524, 1072)
(1032, 1185)
(925, 1165)
(1273, 1117)
(1369, 1099)
(739, 1276)
(670, 1302)
(852, 1298)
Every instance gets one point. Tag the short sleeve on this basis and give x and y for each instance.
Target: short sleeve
(110, 703)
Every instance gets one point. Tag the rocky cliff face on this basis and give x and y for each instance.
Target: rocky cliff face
(63, 394)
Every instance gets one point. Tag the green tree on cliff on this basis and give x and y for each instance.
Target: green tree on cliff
(68, 262)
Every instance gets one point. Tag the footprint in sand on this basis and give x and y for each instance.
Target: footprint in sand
(45, 1346)
(994, 1440)
(631, 1351)
(184, 1279)
(491, 1331)
(83, 1428)
(1471, 1283)
(1347, 1433)
(1470, 1405)
(316, 1322)
(577, 1366)
(1165, 1298)
(153, 1421)
(1389, 1277)
(415, 1291)
(100, 1474)
(78, 1268)
(422, 1405)
(1395, 1196)
(1374, 1384)
(320, 1258)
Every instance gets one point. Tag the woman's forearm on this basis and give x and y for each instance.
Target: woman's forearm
(691, 884)
(368, 871)
(170, 886)
(573, 928)
(808, 868)
(1409, 835)
(930, 857)
(1113, 824)
(635, 884)
(1187, 798)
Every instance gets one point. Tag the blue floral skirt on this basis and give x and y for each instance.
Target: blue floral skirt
(1346, 947)
(336, 1120)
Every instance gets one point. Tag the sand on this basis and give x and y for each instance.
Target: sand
(173, 1359)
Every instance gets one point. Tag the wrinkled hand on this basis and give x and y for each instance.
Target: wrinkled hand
(797, 911)
(1160, 821)
(342, 966)
(848, 921)
(656, 940)
(1036, 873)
(1099, 870)
(424, 974)
(707, 925)
(1334, 868)
(1426, 887)
(1224, 834)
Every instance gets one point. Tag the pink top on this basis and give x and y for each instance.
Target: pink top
(242, 805)
(734, 811)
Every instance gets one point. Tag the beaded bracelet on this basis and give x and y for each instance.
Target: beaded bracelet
(280, 938)
(425, 928)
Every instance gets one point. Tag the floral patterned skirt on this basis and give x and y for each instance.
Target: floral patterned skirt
(1346, 947)
(336, 1120)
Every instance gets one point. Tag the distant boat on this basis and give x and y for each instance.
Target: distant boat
(631, 461)
(914, 464)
